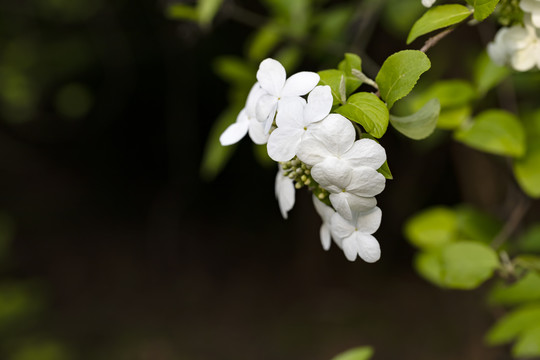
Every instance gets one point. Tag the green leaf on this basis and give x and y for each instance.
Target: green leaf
(207, 9)
(487, 74)
(476, 225)
(359, 353)
(450, 119)
(527, 171)
(385, 170)
(530, 262)
(264, 41)
(399, 74)
(528, 344)
(494, 131)
(530, 240)
(429, 266)
(512, 325)
(467, 264)
(234, 70)
(367, 110)
(432, 228)
(483, 8)
(420, 124)
(438, 17)
(526, 289)
(351, 61)
(216, 156)
(182, 12)
(332, 78)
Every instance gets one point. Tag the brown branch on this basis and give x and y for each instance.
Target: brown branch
(432, 41)
(515, 218)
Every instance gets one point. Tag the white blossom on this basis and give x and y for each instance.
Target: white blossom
(355, 235)
(273, 79)
(295, 119)
(532, 7)
(246, 122)
(428, 3)
(516, 46)
(285, 193)
(326, 213)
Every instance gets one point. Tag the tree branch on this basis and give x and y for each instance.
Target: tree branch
(432, 41)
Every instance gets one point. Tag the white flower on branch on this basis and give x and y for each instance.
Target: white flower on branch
(294, 121)
(273, 79)
(326, 213)
(532, 7)
(246, 122)
(285, 193)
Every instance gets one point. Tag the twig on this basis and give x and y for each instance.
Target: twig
(432, 41)
(515, 218)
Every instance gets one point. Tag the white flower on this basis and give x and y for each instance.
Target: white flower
(427, 3)
(294, 120)
(272, 78)
(246, 122)
(532, 7)
(285, 193)
(516, 46)
(343, 166)
(326, 213)
(356, 235)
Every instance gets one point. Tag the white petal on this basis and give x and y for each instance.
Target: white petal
(336, 133)
(340, 227)
(254, 94)
(283, 143)
(497, 52)
(368, 221)
(300, 83)
(332, 171)
(350, 247)
(257, 133)
(325, 236)
(339, 202)
(311, 151)
(284, 189)
(291, 112)
(368, 248)
(356, 204)
(428, 3)
(366, 181)
(234, 133)
(319, 104)
(525, 59)
(266, 110)
(366, 152)
(536, 19)
(324, 211)
(271, 76)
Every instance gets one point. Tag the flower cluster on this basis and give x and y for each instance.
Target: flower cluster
(519, 46)
(318, 150)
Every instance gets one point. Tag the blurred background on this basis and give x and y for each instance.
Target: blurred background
(114, 244)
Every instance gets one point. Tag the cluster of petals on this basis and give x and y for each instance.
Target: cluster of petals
(533, 8)
(517, 46)
(428, 3)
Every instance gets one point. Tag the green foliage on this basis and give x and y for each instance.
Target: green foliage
(385, 170)
(432, 228)
(181, 11)
(359, 353)
(41, 350)
(476, 225)
(524, 290)
(528, 345)
(343, 81)
(527, 171)
(367, 110)
(494, 131)
(487, 74)
(206, 10)
(333, 78)
(530, 240)
(419, 125)
(399, 74)
(264, 41)
(530, 262)
(514, 324)
(438, 17)
(482, 8)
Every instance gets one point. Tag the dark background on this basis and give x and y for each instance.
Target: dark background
(126, 253)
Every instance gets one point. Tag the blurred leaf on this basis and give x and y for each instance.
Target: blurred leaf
(513, 324)
(476, 225)
(264, 41)
(526, 289)
(450, 119)
(438, 17)
(420, 124)
(73, 100)
(351, 64)
(530, 240)
(206, 10)
(451, 93)
(367, 110)
(482, 8)
(487, 74)
(290, 56)
(385, 170)
(42, 350)
(428, 264)
(530, 262)
(182, 12)
(432, 228)
(527, 170)
(331, 24)
(332, 78)
(494, 131)
(399, 15)
(467, 264)
(528, 344)
(216, 156)
(234, 70)
(399, 74)
(359, 353)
